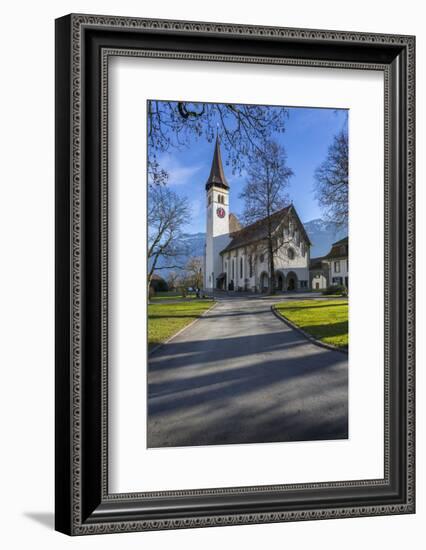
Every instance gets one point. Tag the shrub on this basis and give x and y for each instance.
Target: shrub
(159, 285)
(335, 290)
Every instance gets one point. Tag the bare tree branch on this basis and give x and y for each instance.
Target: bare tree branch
(172, 125)
(265, 193)
(332, 181)
(194, 273)
(167, 214)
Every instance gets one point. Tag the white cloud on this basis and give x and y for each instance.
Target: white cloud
(195, 206)
(237, 178)
(179, 174)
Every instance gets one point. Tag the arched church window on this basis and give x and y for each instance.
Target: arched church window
(262, 258)
(302, 249)
(290, 254)
(241, 267)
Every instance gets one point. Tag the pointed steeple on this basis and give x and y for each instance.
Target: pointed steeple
(217, 175)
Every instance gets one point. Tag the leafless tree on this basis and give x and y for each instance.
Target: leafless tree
(194, 272)
(156, 174)
(332, 181)
(265, 193)
(173, 124)
(167, 215)
(182, 284)
(172, 280)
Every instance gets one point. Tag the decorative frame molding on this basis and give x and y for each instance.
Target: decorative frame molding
(84, 44)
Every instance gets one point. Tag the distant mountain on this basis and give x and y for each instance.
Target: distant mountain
(194, 242)
(321, 233)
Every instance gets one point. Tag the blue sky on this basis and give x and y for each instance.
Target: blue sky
(308, 134)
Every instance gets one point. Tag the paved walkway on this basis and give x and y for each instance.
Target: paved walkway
(240, 375)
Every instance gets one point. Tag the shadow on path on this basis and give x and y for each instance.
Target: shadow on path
(242, 376)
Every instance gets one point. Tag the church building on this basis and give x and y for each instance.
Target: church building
(236, 257)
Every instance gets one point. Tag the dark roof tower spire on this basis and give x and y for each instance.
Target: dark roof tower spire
(217, 175)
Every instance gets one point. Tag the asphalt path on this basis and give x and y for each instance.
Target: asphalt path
(240, 375)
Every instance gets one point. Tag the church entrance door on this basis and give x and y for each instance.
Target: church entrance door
(264, 282)
(279, 281)
(221, 282)
(291, 281)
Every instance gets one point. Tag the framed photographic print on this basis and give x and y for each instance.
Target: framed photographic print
(223, 356)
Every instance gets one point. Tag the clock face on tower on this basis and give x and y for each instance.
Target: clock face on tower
(220, 212)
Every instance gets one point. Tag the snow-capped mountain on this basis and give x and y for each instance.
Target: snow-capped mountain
(321, 233)
(192, 245)
(195, 243)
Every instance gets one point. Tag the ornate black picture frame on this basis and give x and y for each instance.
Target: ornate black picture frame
(83, 45)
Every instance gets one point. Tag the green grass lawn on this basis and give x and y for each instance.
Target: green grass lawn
(326, 320)
(164, 320)
(158, 296)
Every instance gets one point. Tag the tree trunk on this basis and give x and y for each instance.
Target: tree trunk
(150, 275)
(271, 267)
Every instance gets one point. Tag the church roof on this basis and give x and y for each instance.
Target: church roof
(339, 249)
(316, 263)
(345, 240)
(234, 223)
(217, 175)
(255, 231)
(258, 231)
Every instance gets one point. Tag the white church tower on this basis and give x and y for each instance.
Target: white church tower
(217, 230)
